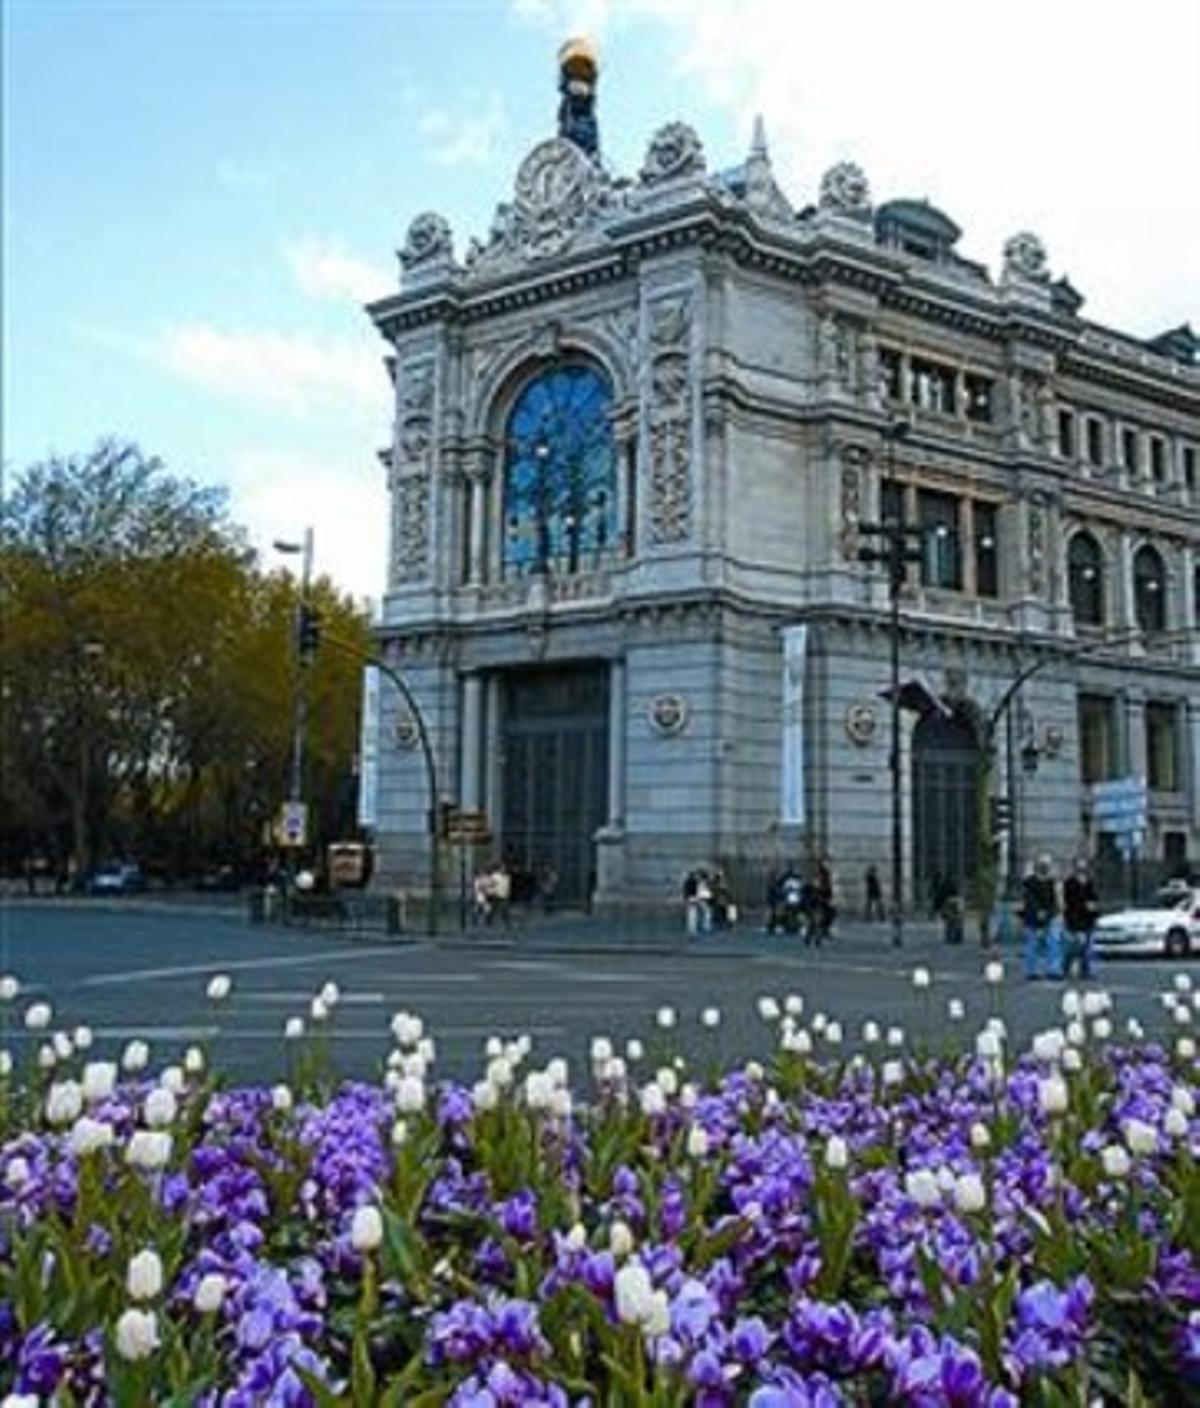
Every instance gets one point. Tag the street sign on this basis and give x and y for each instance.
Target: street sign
(292, 829)
(1120, 806)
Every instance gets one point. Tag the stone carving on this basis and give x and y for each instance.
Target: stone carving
(405, 732)
(762, 192)
(410, 528)
(851, 509)
(559, 193)
(674, 153)
(844, 190)
(1036, 547)
(668, 714)
(1025, 259)
(428, 242)
(861, 720)
(670, 489)
(416, 411)
(869, 370)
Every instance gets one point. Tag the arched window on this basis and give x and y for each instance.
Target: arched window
(560, 499)
(1085, 574)
(1149, 590)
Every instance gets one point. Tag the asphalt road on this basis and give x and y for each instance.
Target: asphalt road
(141, 971)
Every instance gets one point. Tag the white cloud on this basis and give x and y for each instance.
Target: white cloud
(277, 492)
(293, 372)
(467, 136)
(327, 271)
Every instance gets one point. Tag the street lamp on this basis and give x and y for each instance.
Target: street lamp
(305, 642)
(896, 550)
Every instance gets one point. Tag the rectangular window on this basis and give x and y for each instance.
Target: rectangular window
(1066, 435)
(1095, 441)
(1162, 753)
(1189, 467)
(933, 387)
(889, 369)
(1097, 734)
(987, 577)
(1158, 460)
(940, 557)
(1129, 450)
(979, 397)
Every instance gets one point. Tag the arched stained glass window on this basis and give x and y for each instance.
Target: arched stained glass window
(560, 500)
(1149, 590)
(1085, 574)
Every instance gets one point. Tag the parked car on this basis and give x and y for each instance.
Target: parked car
(1169, 927)
(116, 878)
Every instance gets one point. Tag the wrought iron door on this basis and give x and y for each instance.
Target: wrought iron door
(555, 774)
(945, 805)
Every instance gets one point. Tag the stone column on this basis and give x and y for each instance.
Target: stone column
(616, 745)
(492, 749)
(1135, 734)
(966, 545)
(1193, 760)
(471, 794)
(1126, 610)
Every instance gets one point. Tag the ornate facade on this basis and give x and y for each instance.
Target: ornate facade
(638, 429)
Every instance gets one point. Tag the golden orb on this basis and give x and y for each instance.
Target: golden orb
(578, 58)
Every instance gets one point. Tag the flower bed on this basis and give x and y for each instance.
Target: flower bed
(960, 1228)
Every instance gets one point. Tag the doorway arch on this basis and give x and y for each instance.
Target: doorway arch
(945, 789)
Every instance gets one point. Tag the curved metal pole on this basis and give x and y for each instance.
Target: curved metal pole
(431, 777)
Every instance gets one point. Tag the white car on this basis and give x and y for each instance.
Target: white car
(1170, 927)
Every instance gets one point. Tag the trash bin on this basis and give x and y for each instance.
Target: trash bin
(396, 916)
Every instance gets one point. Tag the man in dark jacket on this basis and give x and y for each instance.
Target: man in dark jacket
(1040, 907)
(1081, 909)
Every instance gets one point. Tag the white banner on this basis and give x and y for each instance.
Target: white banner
(368, 750)
(791, 798)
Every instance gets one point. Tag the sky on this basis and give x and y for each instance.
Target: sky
(200, 195)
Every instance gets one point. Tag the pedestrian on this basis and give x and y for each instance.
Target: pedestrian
(1081, 909)
(500, 892)
(704, 901)
(826, 909)
(481, 896)
(1040, 913)
(874, 894)
(547, 883)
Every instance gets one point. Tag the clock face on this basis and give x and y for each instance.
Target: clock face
(551, 176)
(860, 723)
(560, 503)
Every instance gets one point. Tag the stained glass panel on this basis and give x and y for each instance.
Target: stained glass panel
(560, 502)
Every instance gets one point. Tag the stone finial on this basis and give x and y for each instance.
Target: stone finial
(428, 243)
(674, 152)
(1025, 259)
(762, 191)
(844, 190)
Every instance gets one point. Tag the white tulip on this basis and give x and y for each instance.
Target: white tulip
(64, 1102)
(137, 1334)
(895, 1037)
(413, 1065)
(556, 1069)
(1072, 1059)
(667, 1081)
(634, 1050)
(1183, 1015)
(83, 1037)
(768, 1009)
(399, 1134)
(47, 1057)
(833, 1033)
(524, 1044)
(135, 1057)
(1076, 1033)
(711, 1017)
(209, 1294)
(330, 994)
(500, 1072)
(753, 1071)
(17, 1174)
(1049, 1046)
(921, 1186)
(1053, 1096)
(318, 1009)
(798, 1042)
(688, 1096)
(219, 987)
(1175, 1123)
(293, 1028)
(560, 1102)
(493, 1047)
(656, 1320)
(1096, 1003)
(969, 1193)
(281, 1099)
(37, 1016)
(407, 1030)
(148, 1149)
(9, 987)
(819, 1019)
(539, 1089)
(921, 977)
(981, 1136)
(6, 1063)
(632, 1292)
(1141, 1137)
(1134, 1029)
(89, 1135)
(1071, 1004)
(161, 1108)
(956, 1009)
(613, 1071)
(601, 1050)
(1102, 1029)
(20, 1400)
(173, 1079)
(892, 1073)
(485, 1095)
(410, 1095)
(1183, 1099)
(793, 1004)
(697, 1140)
(987, 1045)
(1185, 1048)
(665, 1017)
(945, 1177)
(64, 1047)
(426, 1050)
(994, 972)
(652, 1100)
(837, 1154)
(620, 1239)
(193, 1061)
(576, 1238)
(1183, 982)
(366, 1229)
(144, 1278)
(870, 1033)
(1115, 1160)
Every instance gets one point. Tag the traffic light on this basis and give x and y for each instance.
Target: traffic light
(1001, 815)
(308, 631)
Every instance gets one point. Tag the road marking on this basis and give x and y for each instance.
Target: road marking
(247, 997)
(159, 1033)
(230, 965)
(528, 965)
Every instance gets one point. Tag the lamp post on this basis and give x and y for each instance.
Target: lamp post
(895, 538)
(305, 642)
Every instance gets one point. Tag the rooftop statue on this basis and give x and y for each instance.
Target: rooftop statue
(578, 70)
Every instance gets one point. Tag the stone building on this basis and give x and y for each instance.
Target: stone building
(638, 430)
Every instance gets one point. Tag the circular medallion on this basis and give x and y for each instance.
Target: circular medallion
(551, 176)
(1053, 738)
(860, 724)
(406, 732)
(668, 714)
